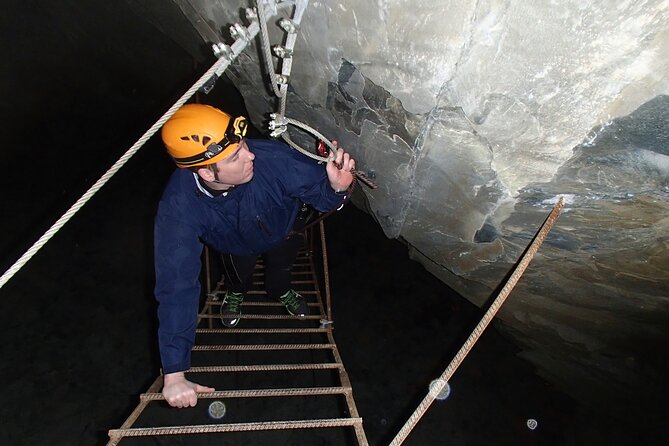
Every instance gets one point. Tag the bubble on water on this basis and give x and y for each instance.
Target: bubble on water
(217, 410)
(532, 423)
(440, 389)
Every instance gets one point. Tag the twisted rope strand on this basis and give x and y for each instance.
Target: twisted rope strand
(221, 64)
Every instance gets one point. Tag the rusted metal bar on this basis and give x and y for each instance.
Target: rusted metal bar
(326, 273)
(255, 303)
(259, 393)
(303, 292)
(256, 347)
(265, 367)
(235, 427)
(266, 316)
(481, 326)
(260, 330)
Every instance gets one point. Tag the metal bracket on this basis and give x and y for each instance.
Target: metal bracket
(326, 322)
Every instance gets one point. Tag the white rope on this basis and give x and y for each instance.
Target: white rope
(216, 69)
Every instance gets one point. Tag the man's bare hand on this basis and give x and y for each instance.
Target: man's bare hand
(339, 170)
(179, 392)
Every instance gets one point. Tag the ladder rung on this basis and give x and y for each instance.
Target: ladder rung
(256, 347)
(265, 316)
(299, 291)
(293, 273)
(264, 367)
(292, 282)
(235, 427)
(258, 303)
(259, 393)
(261, 330)
(304, 267)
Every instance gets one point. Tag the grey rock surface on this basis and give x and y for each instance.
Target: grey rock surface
(475, 118)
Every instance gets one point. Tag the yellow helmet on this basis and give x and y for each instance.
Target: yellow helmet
(199, 134)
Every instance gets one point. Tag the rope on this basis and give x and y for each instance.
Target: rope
(480, 327)
(218, 67)
(260, 6)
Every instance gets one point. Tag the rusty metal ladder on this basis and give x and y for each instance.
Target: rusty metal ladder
(283, 377)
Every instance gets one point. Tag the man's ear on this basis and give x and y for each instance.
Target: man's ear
(205, 173)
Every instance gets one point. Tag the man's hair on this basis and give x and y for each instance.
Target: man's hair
(194, 169)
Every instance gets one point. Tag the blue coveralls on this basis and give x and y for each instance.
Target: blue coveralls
(250, 219)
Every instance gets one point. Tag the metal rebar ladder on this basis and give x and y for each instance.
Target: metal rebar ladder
(278, 379)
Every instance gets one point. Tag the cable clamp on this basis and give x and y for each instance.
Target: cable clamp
(278, 131)
(278, 124)
(237, 31)
(277, 120)
(222, 50)
(326, 322)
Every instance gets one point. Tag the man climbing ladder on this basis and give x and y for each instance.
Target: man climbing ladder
(241, 197)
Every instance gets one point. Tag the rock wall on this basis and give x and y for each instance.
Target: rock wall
(475, 116)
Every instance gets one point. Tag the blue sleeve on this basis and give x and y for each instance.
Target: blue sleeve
(177, 262)
(311, 184)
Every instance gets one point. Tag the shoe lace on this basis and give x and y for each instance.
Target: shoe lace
(233, 301)
(291, 299)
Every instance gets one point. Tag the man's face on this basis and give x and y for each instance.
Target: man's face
(237, 168)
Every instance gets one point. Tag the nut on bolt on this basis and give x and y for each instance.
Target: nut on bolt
(279, 130)
(282, 51)
(222, 50)
(237, 31)
(251, 14)
(288, 25)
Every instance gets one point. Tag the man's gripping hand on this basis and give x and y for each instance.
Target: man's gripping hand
(339, 170)
(179, 392)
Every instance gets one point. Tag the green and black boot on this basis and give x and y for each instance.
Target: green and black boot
(231, 309)
(295, 303)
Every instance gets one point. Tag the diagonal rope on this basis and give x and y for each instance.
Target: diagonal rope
(216, 69)
(442, 381)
